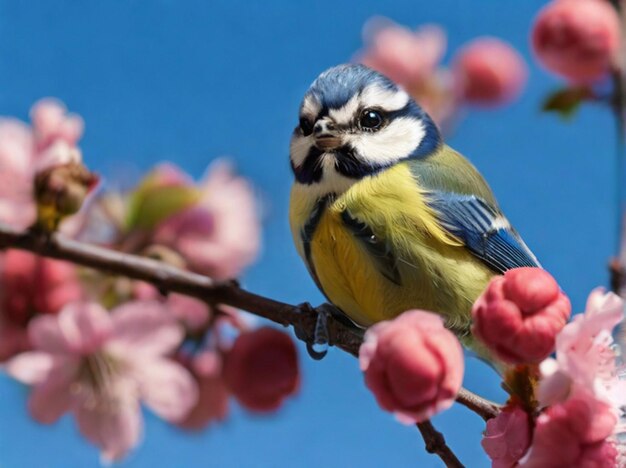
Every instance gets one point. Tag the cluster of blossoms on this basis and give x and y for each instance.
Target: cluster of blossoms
(486, 72)
(562, 411)
(98, 346)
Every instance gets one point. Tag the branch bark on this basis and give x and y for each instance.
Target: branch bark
(171, 279)
(436, 443)
(617, 266)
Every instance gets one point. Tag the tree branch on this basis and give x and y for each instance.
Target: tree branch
(171, 279)
(436, 443)
(617, 266)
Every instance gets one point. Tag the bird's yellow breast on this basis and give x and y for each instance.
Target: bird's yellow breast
(434, 271)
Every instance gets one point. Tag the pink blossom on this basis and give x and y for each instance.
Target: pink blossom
(31, 285)
(16, 160)
(192, 313)
(52, 123)
(413, 365)
(212, 404)
(261, 370)
(489, 72)
(411, 59)
(99, 366)
(519, 315)
(577, 39)
(406, 57)
(58, 153)
(585, 360)
(507, 437)
(574, 433)
(218, 236)
(24, 152)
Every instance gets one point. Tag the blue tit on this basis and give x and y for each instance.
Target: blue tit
(385, 215)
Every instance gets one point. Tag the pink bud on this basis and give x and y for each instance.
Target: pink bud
(413, 365)
(577, 39)
(60, 192)
(519, 315)
(31, 285)
(574, 433)
(507, 436)
(36, 285)
(261, 369)
(489, 72)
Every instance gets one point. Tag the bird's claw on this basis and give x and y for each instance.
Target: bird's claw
(317, 346)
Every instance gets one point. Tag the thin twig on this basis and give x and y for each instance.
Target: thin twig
(486, 409)
(436, 443)
(617, 266)
(171, 279)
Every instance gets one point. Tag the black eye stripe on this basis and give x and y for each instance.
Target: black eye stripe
(306, 126)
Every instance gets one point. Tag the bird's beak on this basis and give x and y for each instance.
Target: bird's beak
(328, 142)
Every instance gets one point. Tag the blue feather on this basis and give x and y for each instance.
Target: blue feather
(483, 230)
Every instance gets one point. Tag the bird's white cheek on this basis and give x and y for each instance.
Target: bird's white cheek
(299, 149)
(395, 142)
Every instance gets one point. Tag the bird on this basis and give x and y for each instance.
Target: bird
(386, 216)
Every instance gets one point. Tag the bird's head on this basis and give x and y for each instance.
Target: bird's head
(354, 122)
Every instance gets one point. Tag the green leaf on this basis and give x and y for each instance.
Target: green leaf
(566, 102)
(153, 202)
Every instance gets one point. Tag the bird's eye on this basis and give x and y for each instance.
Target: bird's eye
(370, 119)
(306, 126)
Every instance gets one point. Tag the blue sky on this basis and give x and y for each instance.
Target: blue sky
(190, 81)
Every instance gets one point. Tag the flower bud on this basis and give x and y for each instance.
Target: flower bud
(413, 365)
(60, 191)
(31, 285)
(519, 315)
(577, 39)
(489, 71)
(261, 369)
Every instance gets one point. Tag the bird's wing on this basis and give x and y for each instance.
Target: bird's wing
(466, 208)
(483, 230)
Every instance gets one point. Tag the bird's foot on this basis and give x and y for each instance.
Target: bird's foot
(317, 345)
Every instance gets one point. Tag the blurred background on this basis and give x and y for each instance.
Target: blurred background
(191, 81)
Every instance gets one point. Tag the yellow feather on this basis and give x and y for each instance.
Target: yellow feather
(437, 273)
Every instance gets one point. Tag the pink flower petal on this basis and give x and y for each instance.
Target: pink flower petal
(167, 388)
(554, 385)
(212, 404)
(58, 154)
(53, 397)
(85, 326)
(193, 313)
(79, 328)
(144, 327)
(30, 368)
(46, 334)
(114, 426)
